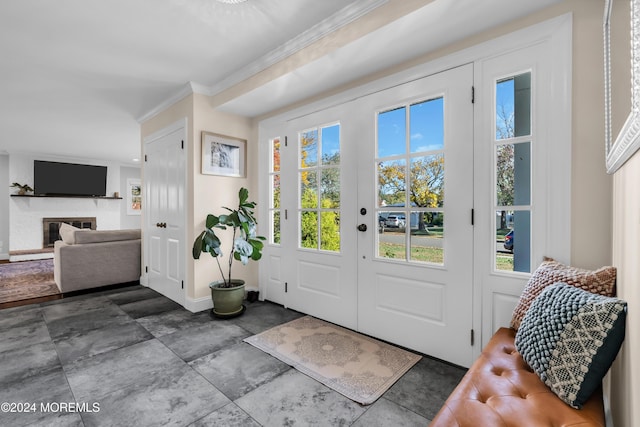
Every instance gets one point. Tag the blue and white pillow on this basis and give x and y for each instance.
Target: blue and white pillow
(570, 338)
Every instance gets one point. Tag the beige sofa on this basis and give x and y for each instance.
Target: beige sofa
(86, 259)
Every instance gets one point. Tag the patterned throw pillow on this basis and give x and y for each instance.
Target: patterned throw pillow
(570, 338)
(601, 281)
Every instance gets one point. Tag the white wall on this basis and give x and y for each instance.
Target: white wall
(26, 213)
(4, 207)
(128, 221)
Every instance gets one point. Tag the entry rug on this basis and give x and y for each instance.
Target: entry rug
(356, 366)
(27, 279)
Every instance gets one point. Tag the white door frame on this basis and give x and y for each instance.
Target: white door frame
(176, 126)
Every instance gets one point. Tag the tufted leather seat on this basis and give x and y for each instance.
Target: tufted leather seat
(501, 390)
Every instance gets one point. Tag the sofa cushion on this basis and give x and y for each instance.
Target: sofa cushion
(601, 281)
(570, 338)
(99, 236)
(67, 233)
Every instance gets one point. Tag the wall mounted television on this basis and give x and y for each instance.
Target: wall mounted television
(69, 179)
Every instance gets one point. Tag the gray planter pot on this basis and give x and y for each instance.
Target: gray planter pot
(227, 302)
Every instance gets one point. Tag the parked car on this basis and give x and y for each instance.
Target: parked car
(395, 221)
(508, 241)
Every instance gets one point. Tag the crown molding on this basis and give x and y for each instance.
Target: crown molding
(186, 90)
(336, 21)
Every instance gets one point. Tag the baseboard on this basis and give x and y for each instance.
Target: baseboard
(30, 257)
(4, 256)
(200, 304)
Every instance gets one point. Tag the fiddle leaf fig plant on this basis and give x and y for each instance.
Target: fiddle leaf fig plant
(246, 244)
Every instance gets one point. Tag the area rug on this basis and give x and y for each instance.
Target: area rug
(356, 366)
(27, 279)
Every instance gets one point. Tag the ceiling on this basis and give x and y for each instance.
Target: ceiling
(76, 76)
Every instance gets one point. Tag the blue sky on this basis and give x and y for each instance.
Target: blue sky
(426, 128)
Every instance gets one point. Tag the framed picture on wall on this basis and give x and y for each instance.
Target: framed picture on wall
(134, 197)
(223, 155)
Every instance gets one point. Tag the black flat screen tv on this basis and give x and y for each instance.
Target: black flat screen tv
(69, 179)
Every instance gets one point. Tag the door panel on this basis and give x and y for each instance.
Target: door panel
(164, 225)
(318, 240)
(415, 279)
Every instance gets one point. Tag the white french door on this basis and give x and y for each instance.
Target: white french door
(337, 177)
(164, 210)
(317, 225)
(415, 277)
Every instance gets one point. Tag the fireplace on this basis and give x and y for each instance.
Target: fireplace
(51, 227)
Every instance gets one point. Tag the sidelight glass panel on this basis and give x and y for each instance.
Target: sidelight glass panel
(513, 174)
(427, 236)
(274, 207)
(513, 240)
(426, 125)
(275, 222)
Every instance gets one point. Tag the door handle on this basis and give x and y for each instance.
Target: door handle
(362, 227)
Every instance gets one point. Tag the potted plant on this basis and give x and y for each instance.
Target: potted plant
(22, 188)
(228, 293)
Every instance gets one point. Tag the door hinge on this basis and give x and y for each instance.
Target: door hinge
(146, 269)
(473, 219)
(472, 337)
(286, 142)
(473, 94)
(145, 157)
(286, 287)
(182, 144)
(183, 284)
(286, 214)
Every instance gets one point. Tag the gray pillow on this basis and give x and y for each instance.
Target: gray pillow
(570, 338)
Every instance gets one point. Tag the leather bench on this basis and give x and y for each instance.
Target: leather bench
(501, 390)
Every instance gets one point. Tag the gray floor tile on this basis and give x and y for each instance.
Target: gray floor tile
(73, 307)
(23, 336)
(94, 377)
(172, 321)
(384, 413)
(294, 398)
(261, 316)
(128, 295)
(49, 388)
(20, 316)
(23, 362)
(177, 397)
(228, 416)
(86, 321)
(192, 343)
(425, 387)
(97, 341)
(239, 369)
(149, 306)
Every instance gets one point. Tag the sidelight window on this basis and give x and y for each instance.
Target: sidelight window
(513, 184)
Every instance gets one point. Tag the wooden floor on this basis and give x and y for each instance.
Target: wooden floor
(25, 296)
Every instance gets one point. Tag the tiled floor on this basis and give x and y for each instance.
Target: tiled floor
(130, 357)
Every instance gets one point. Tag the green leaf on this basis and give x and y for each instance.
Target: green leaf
(243, 194)
(212, 221)
(197, 246)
